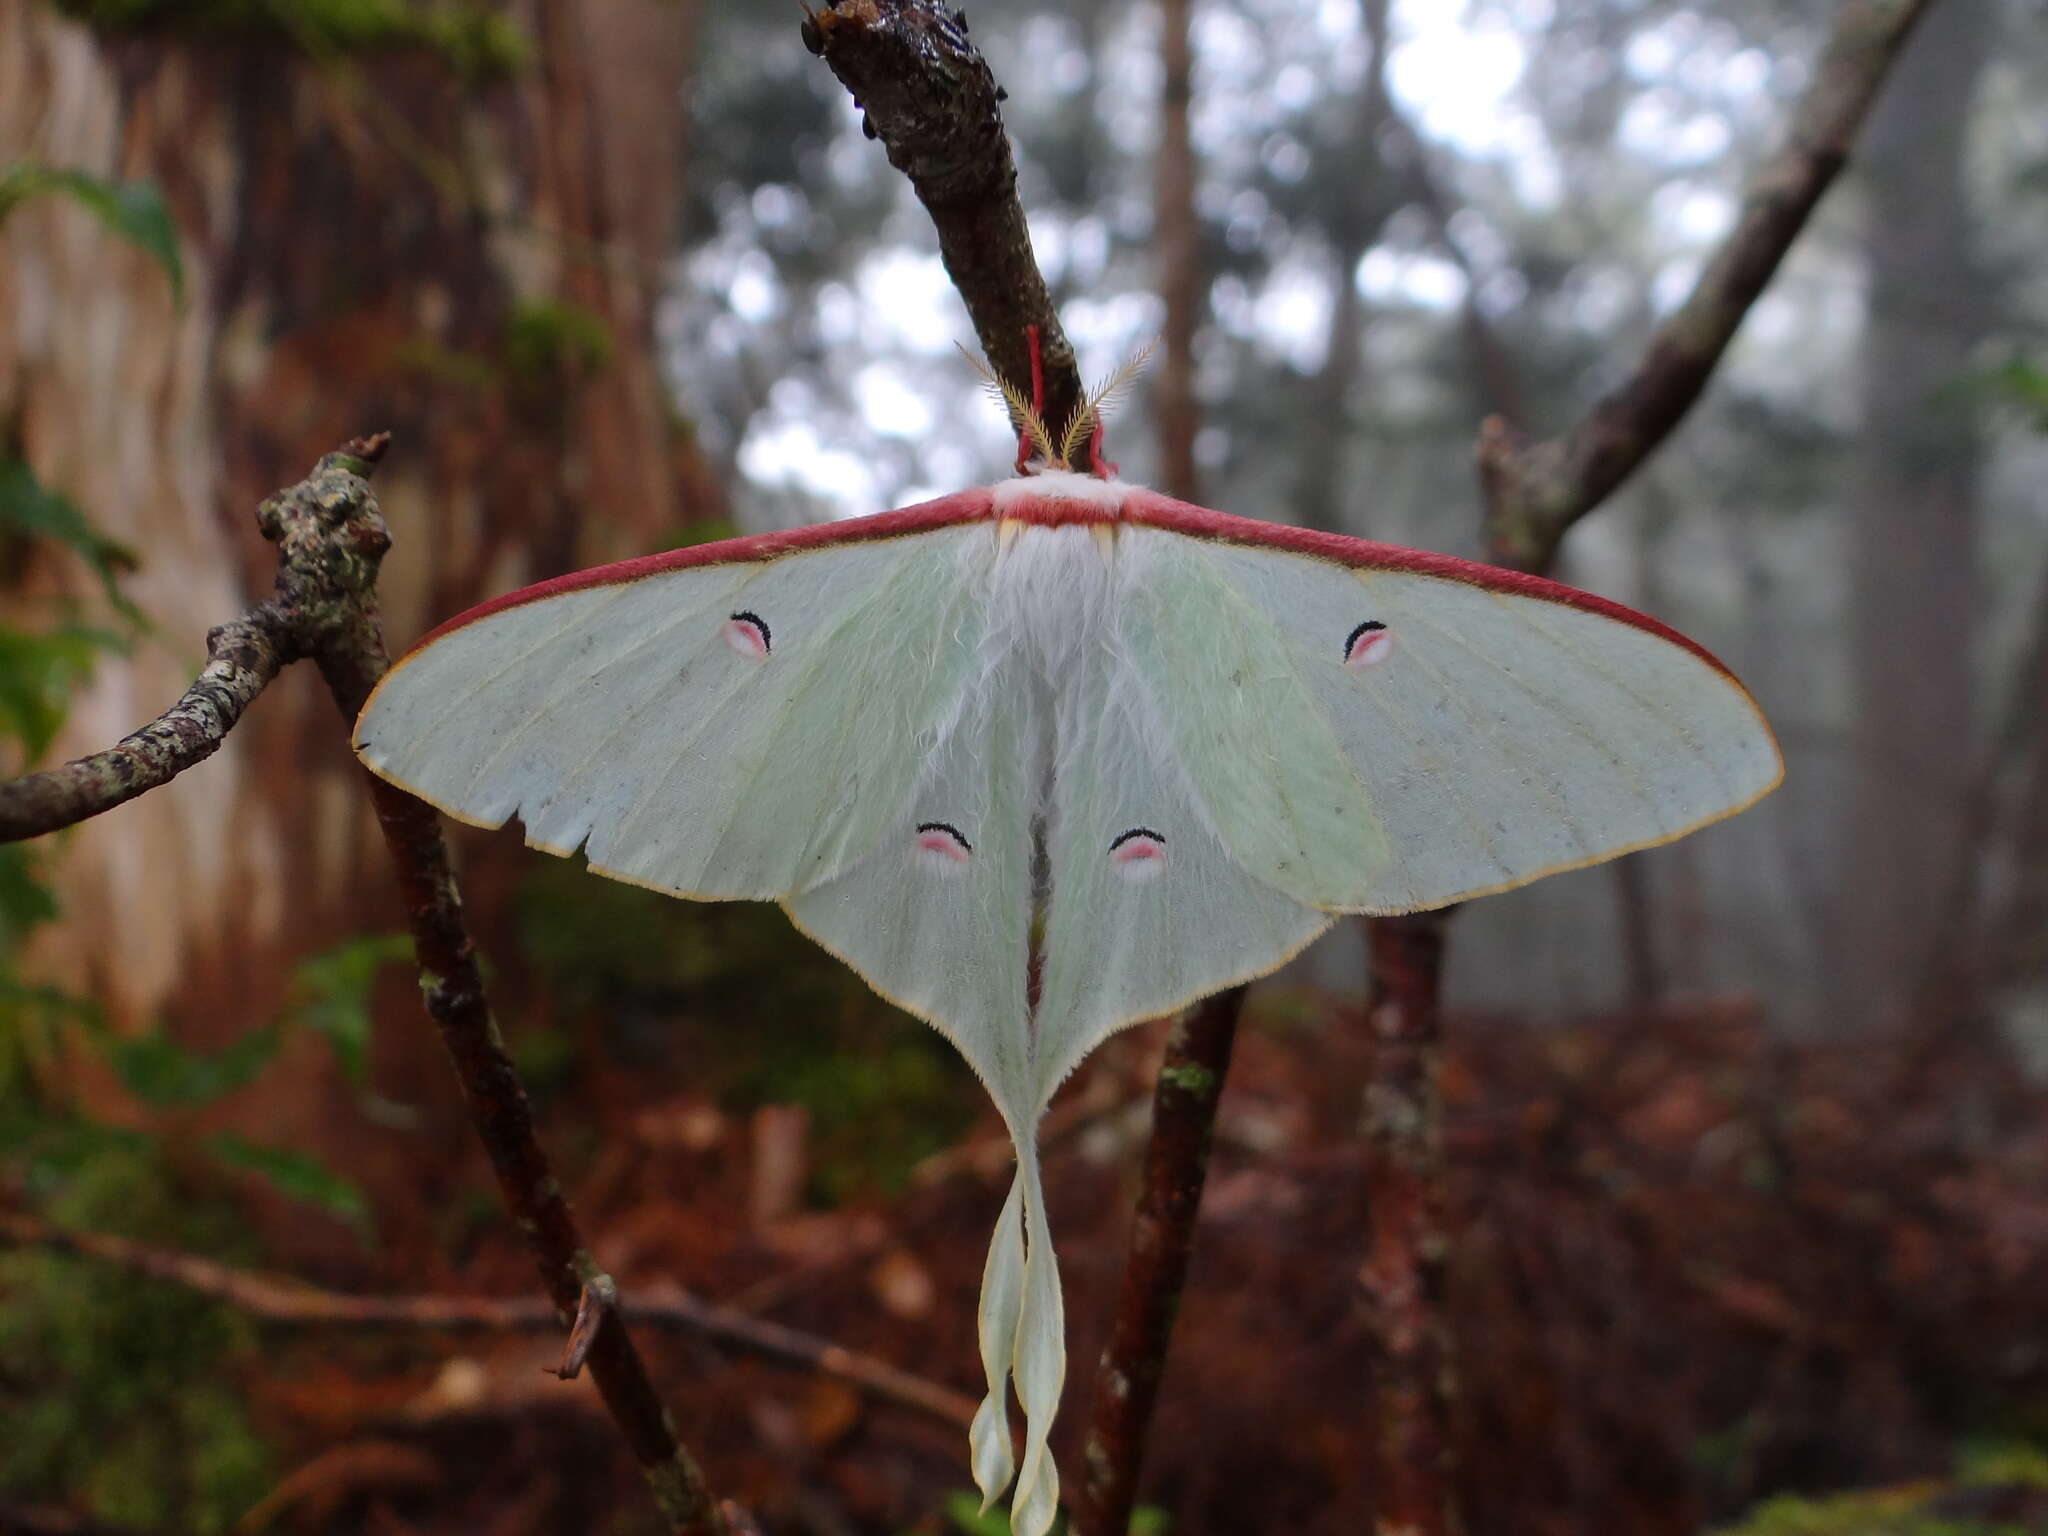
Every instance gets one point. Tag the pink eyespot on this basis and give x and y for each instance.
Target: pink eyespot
(1139, 854)
(1368, 645)
(942, 840)
(747, 633)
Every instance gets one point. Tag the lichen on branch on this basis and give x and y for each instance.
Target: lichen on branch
(330, 540)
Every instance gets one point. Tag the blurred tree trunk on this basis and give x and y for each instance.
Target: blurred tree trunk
(1355, 225)
(1180, 266)
(372, 239)
(1913, 545)
(2019, 937)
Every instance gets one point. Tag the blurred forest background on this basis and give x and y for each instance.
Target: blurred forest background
(1748, 1159)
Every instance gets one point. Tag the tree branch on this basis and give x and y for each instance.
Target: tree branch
(331, 538)
(320, 579)
(243, 656)
(277, 1299)
(1162, 1239)
(1536, 492)
(351, 657)
(926, 92)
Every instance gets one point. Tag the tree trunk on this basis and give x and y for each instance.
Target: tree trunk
(1180, 266)
(1913, 596)
(371, 240)
(1354, 229)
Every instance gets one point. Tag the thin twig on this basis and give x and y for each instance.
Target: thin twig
(600, 1299)
(1402, 1279)
(243, 656)
(331, 539)
(1535, 492)
(1162, 1238)
(352, 659)
(926, 92)
(277, 1299)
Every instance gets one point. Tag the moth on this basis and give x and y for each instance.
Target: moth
(1049, 757)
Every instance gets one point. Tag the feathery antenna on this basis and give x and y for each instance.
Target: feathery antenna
(1022, 416)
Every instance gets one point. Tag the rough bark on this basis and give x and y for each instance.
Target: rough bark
(926, 92)
(242, 656)
(365, 240)
(1198, 1046)
(1912, 525)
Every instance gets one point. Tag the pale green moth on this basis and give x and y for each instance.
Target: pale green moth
(1174, 744)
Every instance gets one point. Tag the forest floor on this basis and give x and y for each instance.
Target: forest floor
(1693, 1268)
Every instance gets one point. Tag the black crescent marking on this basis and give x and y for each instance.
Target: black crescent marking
(1366, 628)
(746, 617)
(1125, 837)
(946, 826)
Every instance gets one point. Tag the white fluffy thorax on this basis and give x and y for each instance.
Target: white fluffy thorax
(1059, 485)
(1053, 591)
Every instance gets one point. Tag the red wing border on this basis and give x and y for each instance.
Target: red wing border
(1152, 510)
(945, 512)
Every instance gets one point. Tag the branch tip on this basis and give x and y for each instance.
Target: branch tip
(600, 1299)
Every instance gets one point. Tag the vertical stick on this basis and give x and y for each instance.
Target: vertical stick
(334, 507)
(1402, 1279)
(1162, 1238)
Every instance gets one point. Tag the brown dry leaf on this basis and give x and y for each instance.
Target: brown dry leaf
(902, 1285)
(829, 1410)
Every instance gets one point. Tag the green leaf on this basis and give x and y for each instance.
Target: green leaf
(2024, 383)
(25, 902)
(298, 1175)
(38, 673)
(134, 210)
(331, 994)
(158, 1070)
(30, 509)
